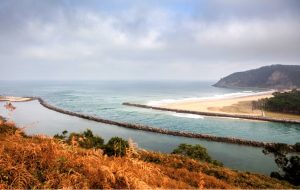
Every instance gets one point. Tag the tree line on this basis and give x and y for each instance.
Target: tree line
(283, 102)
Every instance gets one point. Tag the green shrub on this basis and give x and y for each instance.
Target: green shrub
(196, 152)
(62, 136)
(217, 163)
(86, 139)
(116, 146)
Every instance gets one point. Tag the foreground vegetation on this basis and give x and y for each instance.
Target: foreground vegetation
(82, 160)
(288, 163)
(283, 102)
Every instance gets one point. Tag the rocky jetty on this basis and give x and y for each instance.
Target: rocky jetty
(158, 130)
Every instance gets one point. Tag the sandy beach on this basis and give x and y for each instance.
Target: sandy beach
(14, 99)
(233, 105)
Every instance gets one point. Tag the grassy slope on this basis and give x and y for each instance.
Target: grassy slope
(43, 162)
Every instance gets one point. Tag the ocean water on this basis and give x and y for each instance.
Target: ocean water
(105, 98)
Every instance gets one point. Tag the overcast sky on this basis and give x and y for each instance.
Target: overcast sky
(145, 40)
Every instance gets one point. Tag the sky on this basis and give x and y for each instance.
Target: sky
(145, 40)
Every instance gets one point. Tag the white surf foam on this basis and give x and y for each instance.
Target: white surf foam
(213, 97)
(187, 115)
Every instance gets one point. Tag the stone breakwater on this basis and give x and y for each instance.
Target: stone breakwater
(231, 140)
(260, 118)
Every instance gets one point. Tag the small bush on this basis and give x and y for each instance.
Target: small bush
(62, 136)
(8, 128)
(86, 139)
(196, 152)
(116, 146)
(217, 163)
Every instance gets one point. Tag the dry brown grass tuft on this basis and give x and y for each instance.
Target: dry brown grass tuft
(39, 162)
(42, 162)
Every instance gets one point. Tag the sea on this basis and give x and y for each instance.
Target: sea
(104, 99)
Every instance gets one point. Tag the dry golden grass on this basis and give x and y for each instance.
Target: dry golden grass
(42, 162)
(45, 163)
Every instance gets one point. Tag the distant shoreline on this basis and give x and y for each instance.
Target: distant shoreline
(15, 99)
(218, 104)
(236, 106)
(230, 140)
(214, 114)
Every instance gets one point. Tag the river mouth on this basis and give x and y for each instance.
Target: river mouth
(36, 119)
(104, 99)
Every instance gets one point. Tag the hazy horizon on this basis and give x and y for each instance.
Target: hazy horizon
(145, 40)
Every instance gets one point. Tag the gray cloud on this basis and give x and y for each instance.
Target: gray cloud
(145, 40)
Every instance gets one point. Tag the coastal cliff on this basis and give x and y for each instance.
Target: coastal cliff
(274, 76)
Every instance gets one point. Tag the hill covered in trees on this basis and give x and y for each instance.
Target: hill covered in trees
(83, 160)
(274, 76)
